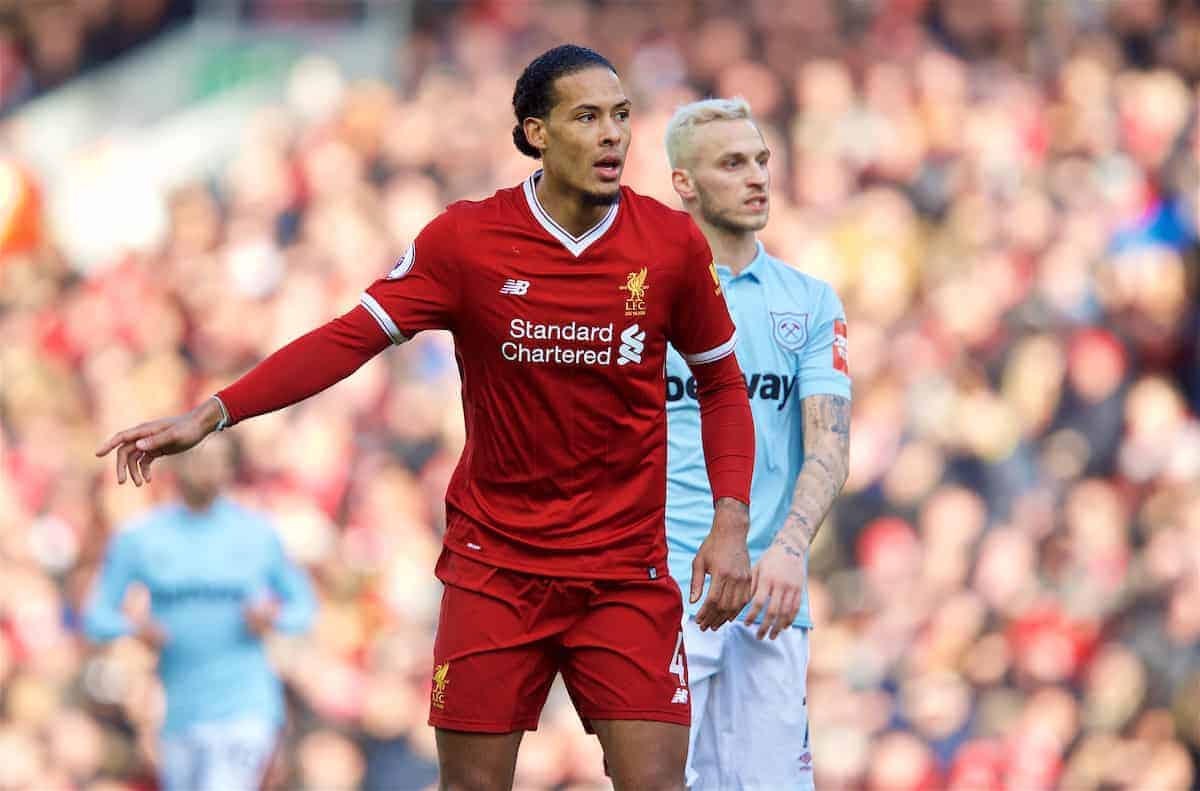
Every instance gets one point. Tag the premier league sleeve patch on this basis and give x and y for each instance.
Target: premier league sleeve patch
(404, 264)
(790, 330)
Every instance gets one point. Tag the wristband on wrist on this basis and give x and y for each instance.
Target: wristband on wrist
(224, 421)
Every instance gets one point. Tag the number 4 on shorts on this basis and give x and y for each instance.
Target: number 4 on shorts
(677, 666)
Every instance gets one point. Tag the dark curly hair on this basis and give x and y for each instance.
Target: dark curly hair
(534, 95)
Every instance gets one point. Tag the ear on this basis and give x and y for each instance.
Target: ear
(536, 133)
(682, 181)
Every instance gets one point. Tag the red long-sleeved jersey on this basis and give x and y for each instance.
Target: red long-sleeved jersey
(560, 343)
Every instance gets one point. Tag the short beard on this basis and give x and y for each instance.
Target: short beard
(723, 221)
(601, 198)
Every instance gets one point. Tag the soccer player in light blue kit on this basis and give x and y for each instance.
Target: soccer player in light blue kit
(749, 706)
(218, 581)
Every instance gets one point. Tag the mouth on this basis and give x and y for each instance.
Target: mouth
(608, 168)
(756, 203)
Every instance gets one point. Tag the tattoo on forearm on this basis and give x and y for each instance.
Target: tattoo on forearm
(826, 463)
(829, 413)
(790, 548)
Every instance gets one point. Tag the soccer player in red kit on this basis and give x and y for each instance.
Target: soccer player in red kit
(561, 294)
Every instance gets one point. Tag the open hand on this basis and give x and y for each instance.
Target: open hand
(778, 584)
(137, 447)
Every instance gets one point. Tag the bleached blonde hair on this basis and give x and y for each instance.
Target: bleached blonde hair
(689, 116)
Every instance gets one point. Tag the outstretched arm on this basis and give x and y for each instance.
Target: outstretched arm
(301, 369)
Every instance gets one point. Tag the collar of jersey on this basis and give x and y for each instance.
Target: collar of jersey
(755, 264)
(574, 244)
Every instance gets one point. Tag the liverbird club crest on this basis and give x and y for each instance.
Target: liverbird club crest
(791, 330)
(635, 284)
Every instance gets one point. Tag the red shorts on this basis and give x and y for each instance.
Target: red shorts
(503, 635)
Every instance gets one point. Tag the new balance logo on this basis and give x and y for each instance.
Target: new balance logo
(632, 344)
(680, 696)
(516, 287)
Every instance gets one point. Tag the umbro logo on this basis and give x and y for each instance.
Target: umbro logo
(515, 287)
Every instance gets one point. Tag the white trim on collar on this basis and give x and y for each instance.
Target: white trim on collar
(574, 244)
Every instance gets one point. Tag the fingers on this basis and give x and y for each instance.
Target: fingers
(123, 454)
(769, 621)
(157, 440)
(710, 615)
(699, 569)
(128, 436)
(135, 462)
(144, 466)
(727, 595)
(791, 609)
(737, 594)
(116, 440)
(757, 605)
(785, 604)
(132, 460)
(758, 597)
(135, 447)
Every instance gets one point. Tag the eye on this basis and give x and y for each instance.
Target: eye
(586, 117)
(622, 115)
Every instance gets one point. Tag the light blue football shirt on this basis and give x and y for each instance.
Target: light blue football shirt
(787, 351)
(202, 570)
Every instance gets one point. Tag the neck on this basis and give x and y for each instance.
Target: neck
(734, 249)
(567, 206)
(198, 503)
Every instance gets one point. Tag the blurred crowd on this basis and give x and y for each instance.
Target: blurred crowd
(44, 43)
(1004, 194)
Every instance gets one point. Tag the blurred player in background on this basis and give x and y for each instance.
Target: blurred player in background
(750, 722)
(561, 294)
(218, 583)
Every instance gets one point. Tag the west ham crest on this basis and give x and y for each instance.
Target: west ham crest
(791, 330)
